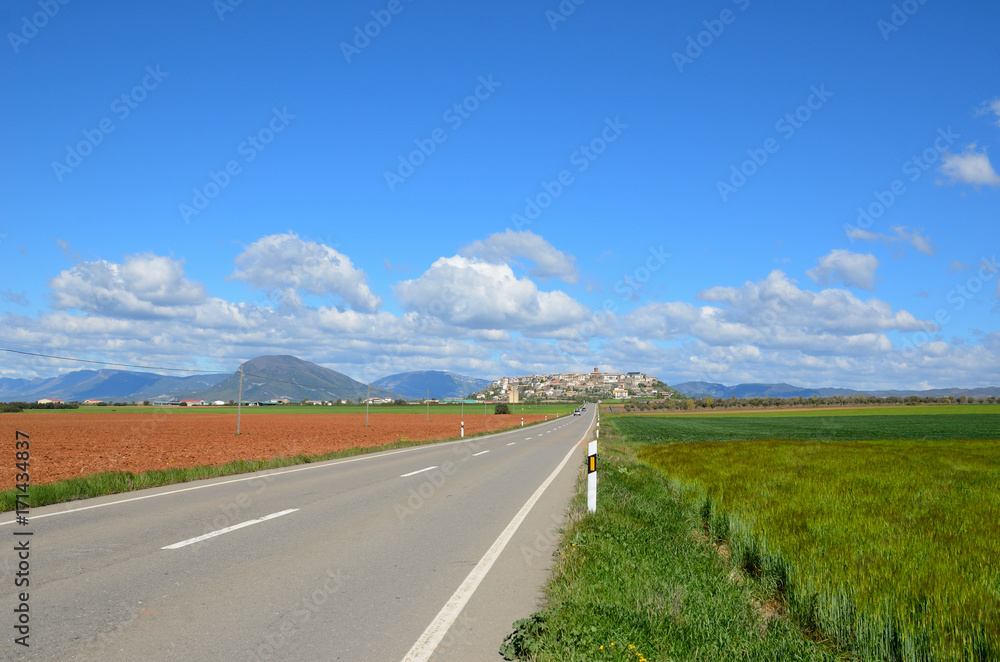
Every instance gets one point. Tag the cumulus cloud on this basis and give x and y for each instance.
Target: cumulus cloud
(143, 286)
(971, 167)
(284, 263)
(476, 294)
(507, 247)
(776, 314)
(852, 269)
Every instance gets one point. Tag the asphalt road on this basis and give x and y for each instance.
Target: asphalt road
(427, 553)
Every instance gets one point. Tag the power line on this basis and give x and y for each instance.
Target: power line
(120, 365)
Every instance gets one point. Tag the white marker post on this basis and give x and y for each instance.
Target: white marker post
(592, 477)
(522, 421)
(463, 429)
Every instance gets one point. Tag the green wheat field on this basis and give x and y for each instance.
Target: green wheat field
(879, 532)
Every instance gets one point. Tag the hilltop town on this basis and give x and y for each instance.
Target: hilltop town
(573, 385)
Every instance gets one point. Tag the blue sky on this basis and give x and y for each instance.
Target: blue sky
(726, 191)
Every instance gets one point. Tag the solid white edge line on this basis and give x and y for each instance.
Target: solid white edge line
(435, 632)
(321, 465)
(419, 471)
(191, 541)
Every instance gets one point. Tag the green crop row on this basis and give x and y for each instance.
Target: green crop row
(886, 545)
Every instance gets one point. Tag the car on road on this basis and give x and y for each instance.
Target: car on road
(576, 412)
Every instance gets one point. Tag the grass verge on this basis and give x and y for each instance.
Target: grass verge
(639, 580)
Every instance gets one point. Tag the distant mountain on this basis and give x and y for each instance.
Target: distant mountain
(113, 385)
(415, 385)
(277, 377)
(721, 391)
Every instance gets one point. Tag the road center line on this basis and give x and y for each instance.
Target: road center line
(435, 632)
(191, 541)
(512, 443)
(419, 471)
(479, 453)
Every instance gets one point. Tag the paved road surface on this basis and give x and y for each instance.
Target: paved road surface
(368, 558)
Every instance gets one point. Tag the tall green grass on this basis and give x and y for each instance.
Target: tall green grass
(889, 546)
(636, 581)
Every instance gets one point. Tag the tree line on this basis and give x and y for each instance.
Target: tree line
(815, 401)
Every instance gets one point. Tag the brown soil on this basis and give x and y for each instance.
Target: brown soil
(64, 445)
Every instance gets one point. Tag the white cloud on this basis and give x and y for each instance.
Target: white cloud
(509, 246)
(991, 107)
(474, 294)
(914, 238)
(857, 233)
(144, 286)
(970, 167)
(474, 317)
(852, 269)
(776, 314)
(283, 263)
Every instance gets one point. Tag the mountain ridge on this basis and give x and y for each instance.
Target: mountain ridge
(438, 383)
(782, 390)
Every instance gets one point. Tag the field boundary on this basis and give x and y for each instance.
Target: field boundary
(108, 483)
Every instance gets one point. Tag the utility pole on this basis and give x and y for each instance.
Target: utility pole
(428, 404)
(239, 402)
(368, 401)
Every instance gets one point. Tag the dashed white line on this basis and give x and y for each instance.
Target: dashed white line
(479, 453)
(420, 471)
(436, 631)
(191, 541)
(512, 443)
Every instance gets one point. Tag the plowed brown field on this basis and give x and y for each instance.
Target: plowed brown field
(64, 445)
